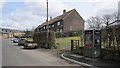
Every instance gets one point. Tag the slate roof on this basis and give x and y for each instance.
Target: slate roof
(61, 17)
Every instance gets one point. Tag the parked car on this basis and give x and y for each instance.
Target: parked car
(22, 41)
(15, 40)
(30, 44)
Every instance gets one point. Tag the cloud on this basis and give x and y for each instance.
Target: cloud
(2, 2)
(107, 8)
(26, 18)
(21, 19)
(8, 23)
(55, 7)
(35, 13)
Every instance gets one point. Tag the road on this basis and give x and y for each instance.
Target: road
(14, 55)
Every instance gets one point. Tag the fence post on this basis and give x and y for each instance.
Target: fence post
(72, 42)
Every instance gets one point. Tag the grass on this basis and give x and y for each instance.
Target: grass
(65, 42)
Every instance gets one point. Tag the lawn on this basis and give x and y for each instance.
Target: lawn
(65, 42)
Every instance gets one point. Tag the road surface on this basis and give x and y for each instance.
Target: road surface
(14, 55)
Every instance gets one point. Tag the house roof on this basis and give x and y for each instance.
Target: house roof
(61, 17)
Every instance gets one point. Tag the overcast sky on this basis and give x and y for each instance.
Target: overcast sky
(26, 14)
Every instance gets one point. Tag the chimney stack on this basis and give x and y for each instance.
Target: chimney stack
(50, 18)
(64, 11)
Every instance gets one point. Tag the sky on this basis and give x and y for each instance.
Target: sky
(28, 14)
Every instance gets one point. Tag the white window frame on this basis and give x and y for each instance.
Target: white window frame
(58, 23)
(38, 29)
(44, 27)
(60, 30)
(53, 25)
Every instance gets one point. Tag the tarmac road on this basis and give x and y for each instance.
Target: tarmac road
(14, 55)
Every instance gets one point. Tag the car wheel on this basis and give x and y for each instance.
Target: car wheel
(35, 47)
(25, 47)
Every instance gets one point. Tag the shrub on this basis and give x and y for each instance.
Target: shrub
(41, 39)
(79, 51)
(110, 54)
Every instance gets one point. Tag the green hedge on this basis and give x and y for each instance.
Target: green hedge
(41, 39)
(110, 54)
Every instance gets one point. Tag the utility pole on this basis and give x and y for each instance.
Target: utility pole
(119, 10)
(47, 26)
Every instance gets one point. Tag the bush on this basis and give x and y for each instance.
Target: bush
(41, 39)
(79, 51)
(110, 54)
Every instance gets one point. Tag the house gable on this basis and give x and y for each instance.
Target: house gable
(73, 22)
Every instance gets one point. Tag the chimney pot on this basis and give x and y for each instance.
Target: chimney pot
(64, 11)
(50, 18)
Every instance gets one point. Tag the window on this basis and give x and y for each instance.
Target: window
(37, 29)
(41, 29)
(57, 30)
(53, 25)
(44, 27)
(61, 30)
(70, 27)
(58, 23)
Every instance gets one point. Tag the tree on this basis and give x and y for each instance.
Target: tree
(106, 19)
(111, 32)
(29, 33)
(94, 22)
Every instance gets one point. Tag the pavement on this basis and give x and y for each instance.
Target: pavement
(89, 62)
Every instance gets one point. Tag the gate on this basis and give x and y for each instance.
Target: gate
(74, 44)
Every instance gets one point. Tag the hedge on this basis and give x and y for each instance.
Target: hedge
(41, 39)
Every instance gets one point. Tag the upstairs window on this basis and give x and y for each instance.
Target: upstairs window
(58, 23)
(61, 30)
(44, 27)
(53, 25)
(39, 29)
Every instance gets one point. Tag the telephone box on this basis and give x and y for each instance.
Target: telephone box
(92, 43)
